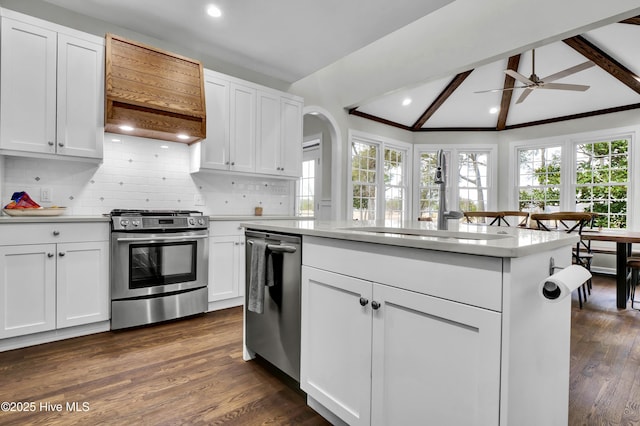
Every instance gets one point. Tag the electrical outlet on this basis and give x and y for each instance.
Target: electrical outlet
(45, 195)
(198, 200)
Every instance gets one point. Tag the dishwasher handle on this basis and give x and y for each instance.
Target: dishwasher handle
(278, 248)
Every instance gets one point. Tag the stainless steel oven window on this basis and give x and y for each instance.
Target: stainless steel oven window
(156, 264)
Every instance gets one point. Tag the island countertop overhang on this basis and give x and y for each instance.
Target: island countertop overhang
(469, 239)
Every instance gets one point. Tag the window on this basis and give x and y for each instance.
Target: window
(379, 178)
(473, 181)
(589, 174)
(363, 177)
(394, 185)
(602, 181)
(428, 191)
(472, 168)
(539, 179)
(308, 188)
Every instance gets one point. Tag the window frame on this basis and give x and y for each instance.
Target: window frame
(381, 143)
(452, 152)
(568, 170)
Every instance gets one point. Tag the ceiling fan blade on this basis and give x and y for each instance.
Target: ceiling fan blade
(502, 90)
(561, 86)
(524, 95)
(557, 76)
(521, 78)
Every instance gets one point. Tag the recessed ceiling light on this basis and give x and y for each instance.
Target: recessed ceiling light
(126, 128)
(406, 101)
(494, 110)
(213, 10)
(116, 140)
(164, 146)
(182, 136)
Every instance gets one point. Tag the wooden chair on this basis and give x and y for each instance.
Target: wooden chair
(570, 222)
(634, 263)
(495, 218)
(523, 217)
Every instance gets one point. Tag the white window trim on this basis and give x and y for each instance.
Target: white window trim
(567, 187)
(452, 152)
(312, 143)
(381, 142)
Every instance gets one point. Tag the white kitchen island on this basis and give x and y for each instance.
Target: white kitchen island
(414, 326)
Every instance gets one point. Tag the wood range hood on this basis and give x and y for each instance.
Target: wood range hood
(152, 93)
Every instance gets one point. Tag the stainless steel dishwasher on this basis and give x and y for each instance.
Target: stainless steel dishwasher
(275, 333)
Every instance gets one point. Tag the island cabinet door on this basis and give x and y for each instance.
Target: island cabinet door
(335, 367)
(434, 362)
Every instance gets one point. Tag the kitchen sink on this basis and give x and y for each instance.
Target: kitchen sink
(459, 235)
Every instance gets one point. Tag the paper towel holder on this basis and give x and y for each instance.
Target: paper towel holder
(553, 267)
(550, 290)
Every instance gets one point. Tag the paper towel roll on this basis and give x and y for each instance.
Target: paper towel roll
(557, 286)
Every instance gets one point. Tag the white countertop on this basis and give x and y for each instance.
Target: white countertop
(52, 219)
(246, 218)
(482, 240)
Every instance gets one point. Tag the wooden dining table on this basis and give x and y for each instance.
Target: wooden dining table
(624, 240)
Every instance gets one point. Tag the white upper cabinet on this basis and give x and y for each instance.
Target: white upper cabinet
(52, 89)
(242, 129)
(213, 151)
(279, 135)
(250, 129)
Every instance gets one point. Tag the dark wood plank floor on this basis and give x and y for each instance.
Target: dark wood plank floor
(191, 372)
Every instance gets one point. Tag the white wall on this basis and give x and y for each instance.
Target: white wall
(138, 173)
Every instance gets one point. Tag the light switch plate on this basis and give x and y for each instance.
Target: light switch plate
(45, 195)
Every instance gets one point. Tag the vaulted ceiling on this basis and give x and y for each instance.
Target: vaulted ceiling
(453, 103)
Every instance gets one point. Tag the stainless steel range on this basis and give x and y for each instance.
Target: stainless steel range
(159, 265)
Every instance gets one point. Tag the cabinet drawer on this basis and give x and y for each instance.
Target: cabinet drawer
(45, 233)
(220, 228)
(464, 278)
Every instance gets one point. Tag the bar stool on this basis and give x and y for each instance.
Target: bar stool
(634, 264)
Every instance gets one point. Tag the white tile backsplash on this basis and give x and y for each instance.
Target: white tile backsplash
(139, 173)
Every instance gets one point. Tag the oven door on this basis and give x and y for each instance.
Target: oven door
(147, 264)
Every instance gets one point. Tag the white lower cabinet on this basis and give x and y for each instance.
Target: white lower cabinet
(47, 285)
(226, 264)
(376, 354)
(226, 267)
(82, 283)
(28, 289)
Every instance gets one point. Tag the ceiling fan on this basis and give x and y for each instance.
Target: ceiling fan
(535, 82)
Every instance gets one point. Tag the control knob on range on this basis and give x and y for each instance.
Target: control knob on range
(192, 221)
(201, 222)
(135, 223)
(124, 222)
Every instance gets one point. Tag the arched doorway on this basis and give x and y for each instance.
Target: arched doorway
(332, 172)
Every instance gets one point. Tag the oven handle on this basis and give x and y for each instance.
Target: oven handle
(186, 237)
(278, 248)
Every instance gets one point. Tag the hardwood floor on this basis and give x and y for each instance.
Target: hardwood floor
(192, 372)
(605, 360)
(186, 372)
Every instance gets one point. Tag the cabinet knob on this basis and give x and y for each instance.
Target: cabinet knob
(375, 305)
(56, 233)
(61, 254)
(51, 143)
(363, 301)
(226, 163)
(233, 163)
(236, 243)
(49, 254)
(61, 144)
